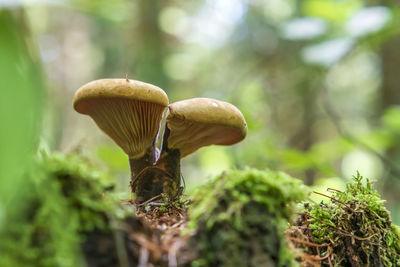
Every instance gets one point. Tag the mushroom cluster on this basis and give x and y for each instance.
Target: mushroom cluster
(130, 113)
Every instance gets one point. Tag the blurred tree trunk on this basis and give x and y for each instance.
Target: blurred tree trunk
(151, 45)
(308, 102)
(304, 137)
(390, 95)
(390, 55)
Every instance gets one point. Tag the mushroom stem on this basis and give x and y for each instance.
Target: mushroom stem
(163, 177)
(170, 163)
(169, 160)
(138, 165)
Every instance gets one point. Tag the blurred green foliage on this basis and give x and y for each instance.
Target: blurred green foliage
(19, 105)
(67, 198)
(20, 101)
(336, 11)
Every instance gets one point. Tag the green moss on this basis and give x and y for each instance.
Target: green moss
(85, 188)
(356, 221)
(65, 199)
(239, 218)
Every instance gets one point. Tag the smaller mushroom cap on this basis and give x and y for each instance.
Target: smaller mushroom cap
(128, 111)
(199, 122)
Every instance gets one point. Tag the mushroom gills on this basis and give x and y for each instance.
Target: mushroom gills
(116, 118)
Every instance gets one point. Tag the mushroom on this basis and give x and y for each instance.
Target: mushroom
(129, 112)
(199, 122)
(190, 125)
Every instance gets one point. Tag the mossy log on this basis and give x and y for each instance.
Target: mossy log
(237, 219)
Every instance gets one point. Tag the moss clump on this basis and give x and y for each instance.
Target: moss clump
(355, 228)
(64, 201)
(239, 218)
(87, 190)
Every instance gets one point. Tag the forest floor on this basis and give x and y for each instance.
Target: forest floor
(240, 218)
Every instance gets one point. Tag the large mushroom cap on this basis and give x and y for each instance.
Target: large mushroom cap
(126, 110)
(199, 122)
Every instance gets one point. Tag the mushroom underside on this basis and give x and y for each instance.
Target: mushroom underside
(132, 124)
(188, 136)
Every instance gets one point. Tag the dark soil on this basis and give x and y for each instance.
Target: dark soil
(151, 238)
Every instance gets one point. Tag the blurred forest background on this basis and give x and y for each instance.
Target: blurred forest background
(318, 82)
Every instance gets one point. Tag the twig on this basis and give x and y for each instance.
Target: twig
(149, 200)
(307, 242)
(144, 257)
(119, 243)
(334, 190)
(330, 262)
(172, 261)
(156, 204)
(317, 258)
(336, 200)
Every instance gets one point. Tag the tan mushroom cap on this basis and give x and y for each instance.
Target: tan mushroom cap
(199, 122)
(128, 111)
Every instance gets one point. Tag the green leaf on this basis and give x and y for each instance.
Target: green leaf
(20, 102)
